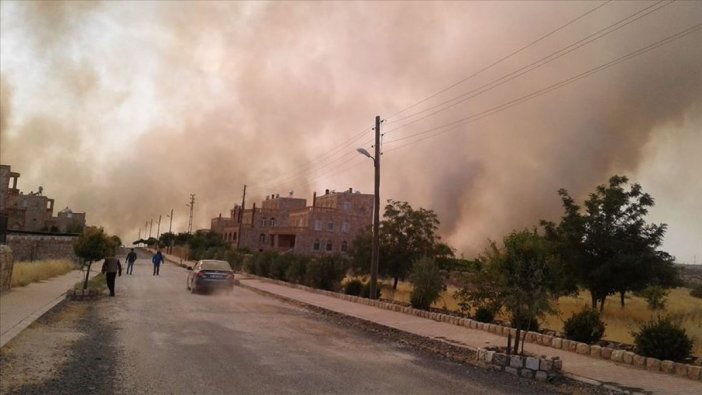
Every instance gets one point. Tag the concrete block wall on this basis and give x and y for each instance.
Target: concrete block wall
(31, 247)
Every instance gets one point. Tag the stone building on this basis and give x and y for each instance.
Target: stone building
(33, 212)
(287, 224)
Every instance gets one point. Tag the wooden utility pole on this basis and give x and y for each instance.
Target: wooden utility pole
(376, 215)
(240, 216)
(158, 228)
(192, 206)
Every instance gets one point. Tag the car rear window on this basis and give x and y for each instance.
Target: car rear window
(215, 265)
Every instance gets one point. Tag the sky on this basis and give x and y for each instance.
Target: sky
(123, 109)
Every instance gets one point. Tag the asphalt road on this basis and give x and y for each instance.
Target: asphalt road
(170, 341)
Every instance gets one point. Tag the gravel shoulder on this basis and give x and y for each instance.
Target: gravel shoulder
(69, 350)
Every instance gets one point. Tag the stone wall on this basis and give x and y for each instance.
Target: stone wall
(6, 263)
(523, 366)
(33, 247)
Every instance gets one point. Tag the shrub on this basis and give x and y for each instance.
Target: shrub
(427, 283)
(584, 326)
(326, 272)
(366, 290)
(279, 267)
(664, 339)
(484, 314)
(297, 269)
(354, 287)
(696, 291)
(525, 323)
(655, 297)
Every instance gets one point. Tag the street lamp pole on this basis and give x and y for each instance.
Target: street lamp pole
(158, 228)
(375, 252)
(170, 224)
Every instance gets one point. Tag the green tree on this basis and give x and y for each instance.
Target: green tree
(608, 247)
(92, 245)
(519, 276)
(406, 235)
(427, 283)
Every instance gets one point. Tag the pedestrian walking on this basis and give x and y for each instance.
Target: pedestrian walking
(111, 267)
(157, 259)
(131, 258)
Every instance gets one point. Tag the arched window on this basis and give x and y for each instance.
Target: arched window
(329, 245)
(262, 238)
(316, 245)
(272, 222)
(344, 246)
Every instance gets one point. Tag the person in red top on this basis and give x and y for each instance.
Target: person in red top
(111, 267)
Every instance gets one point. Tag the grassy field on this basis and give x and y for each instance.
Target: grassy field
(620, 322)
(24, 273)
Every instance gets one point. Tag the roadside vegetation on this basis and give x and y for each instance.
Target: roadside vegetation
(24, 273)
(600, 269)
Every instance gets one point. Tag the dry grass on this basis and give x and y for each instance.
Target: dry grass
(620, 322)
(24, 273)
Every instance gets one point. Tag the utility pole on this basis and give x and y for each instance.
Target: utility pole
(158, 229)
(191, 205)
(151, 225)
(240, 216)
(170, 224)
(376, 215)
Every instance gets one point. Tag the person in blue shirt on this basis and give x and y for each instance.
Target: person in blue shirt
(157, 259)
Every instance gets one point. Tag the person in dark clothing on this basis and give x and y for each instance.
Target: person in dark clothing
(157, 260)
(111, 267)
(131, 258)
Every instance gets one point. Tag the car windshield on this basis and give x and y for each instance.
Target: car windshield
(215, 265)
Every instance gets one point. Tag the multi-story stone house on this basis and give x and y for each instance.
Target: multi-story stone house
(33, 211)
(287, 224)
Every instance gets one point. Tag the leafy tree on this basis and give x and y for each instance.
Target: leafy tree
(655, 297)
(92, 245)
(427, 283)
(519, 277)
(182, 238)
(166, 239)
(608, 247)
(209, 245)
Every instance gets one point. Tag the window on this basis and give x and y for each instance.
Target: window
(330, 226)
(347, 206)
(316, 245)
(317, 224)
(262, 238)
(329, 245)
(345, 227)
(272, 221)
(344, 246)
(234, 235)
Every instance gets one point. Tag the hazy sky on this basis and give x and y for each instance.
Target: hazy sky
(123, 109)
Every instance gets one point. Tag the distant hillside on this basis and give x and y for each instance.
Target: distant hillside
(691, 274)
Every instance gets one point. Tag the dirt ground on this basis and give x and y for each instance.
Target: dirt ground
(35, 355)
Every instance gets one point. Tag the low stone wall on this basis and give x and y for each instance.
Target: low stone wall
(33, 247)
(530, 367)
(82, 294)
(6, 265)
(692, 372)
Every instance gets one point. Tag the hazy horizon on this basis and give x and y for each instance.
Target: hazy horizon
(122, 110)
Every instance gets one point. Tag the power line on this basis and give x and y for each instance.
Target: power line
(532, 66)
(570, 22)
(472, 118)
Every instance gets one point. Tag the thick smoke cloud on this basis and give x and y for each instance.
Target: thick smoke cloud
(123, 109)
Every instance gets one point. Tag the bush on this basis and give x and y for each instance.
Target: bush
(366, 291)
(484, 314)
(326, 272)
(696, 291)
(664, 339)
(427, 283)
(297, 269)
(525, 323)
(585, 326)
(655, 297)
(354, 287)
(279, 267)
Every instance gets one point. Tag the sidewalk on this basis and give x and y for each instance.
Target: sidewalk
(23, 305)
(576, 366)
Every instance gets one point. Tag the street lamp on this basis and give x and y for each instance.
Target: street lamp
(376, 210)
